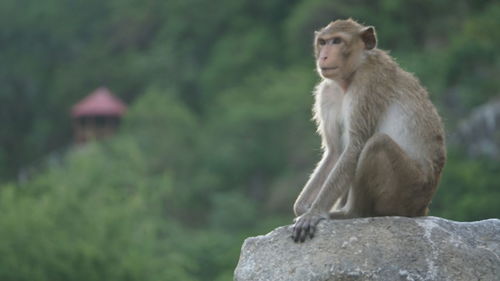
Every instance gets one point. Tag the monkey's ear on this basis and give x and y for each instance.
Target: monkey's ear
(369, 37)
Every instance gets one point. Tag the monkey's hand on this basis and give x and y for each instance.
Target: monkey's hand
(305, 225)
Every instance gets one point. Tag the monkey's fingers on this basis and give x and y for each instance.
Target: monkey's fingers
(305, 233)
(298, 234)
(297, 230)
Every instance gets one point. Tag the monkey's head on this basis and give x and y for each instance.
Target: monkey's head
(340, 48)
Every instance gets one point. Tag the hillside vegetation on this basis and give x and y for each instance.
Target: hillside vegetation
(218, 139)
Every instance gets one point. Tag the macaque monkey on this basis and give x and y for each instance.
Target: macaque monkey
(383, 140)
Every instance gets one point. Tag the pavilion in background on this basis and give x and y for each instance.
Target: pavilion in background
(97, 116)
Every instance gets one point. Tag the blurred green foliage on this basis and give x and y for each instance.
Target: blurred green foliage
(218, 140)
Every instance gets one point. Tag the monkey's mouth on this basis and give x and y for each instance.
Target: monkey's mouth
(329, 68)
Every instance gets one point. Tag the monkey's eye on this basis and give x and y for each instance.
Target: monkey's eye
(321, 42)
(336, 40)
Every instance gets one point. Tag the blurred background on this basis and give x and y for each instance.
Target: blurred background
(144, 140)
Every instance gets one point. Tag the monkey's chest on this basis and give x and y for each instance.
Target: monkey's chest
(336, 118)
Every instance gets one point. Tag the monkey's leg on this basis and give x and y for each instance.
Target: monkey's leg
(387, 183)
(341, 202)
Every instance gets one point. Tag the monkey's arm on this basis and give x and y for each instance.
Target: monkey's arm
(337, 182)
(339, 179)
(342, 175)
(314, 184)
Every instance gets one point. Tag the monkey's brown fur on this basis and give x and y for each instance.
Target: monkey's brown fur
(382, 138)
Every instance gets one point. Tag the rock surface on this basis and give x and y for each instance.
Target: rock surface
(385, 248)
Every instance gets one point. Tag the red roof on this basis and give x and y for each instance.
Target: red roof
(100, 102)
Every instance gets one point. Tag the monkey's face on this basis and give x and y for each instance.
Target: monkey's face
(333, 53)
(340, 47)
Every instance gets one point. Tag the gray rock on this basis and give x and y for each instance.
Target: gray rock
(384, 248)
(479, 132)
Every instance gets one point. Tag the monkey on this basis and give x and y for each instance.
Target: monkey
(382, 138)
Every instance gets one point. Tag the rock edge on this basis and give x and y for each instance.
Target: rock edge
(382, 248)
